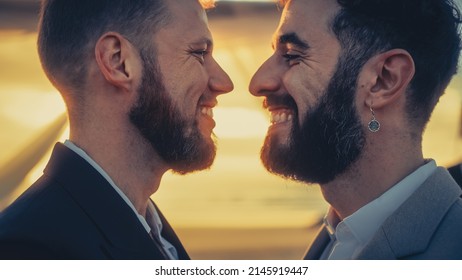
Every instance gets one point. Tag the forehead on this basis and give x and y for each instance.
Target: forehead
(188, 18)
(307, 18)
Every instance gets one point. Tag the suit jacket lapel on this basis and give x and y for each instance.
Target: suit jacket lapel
(318, 245)
(408, 231)
(110, 214)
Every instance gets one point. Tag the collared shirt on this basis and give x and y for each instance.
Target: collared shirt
(154, 223)
(352, 234)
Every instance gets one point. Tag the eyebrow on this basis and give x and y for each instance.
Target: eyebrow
(203, 40)
(292, 38)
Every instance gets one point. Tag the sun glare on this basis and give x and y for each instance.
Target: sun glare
(237, 122)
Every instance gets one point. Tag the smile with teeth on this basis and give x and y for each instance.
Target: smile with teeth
(278, 116)
(208, 111)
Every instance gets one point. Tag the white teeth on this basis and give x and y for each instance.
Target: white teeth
(277, 118)
(283, 117)
(280, 117)
(207, 111)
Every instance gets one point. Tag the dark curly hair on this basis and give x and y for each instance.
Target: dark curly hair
(428, 29)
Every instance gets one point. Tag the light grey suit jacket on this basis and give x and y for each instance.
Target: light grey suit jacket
(427, 226)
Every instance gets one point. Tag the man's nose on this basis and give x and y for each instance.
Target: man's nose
(219, 81)
(266, 79)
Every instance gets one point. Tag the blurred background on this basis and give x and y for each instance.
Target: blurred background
(235, 210)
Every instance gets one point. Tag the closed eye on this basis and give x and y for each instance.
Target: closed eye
(200, 54)
(290, 57)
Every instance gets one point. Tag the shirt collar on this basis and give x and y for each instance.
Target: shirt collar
(331, 221)
(367, 220)
(153, 216)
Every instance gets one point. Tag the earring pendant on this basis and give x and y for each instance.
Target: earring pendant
(374, 124)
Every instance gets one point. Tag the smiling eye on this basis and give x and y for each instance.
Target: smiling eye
(200, 54)
(291, 58)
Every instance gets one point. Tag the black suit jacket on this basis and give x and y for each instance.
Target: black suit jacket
(72, 212)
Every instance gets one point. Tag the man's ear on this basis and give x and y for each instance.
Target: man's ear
(387, 77)
(117, 60)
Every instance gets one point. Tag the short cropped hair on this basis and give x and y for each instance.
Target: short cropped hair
(428, 29)
(69, 30)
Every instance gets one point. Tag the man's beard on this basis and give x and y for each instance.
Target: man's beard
(330, 138)
(175, 138)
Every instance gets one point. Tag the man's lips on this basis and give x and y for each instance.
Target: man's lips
(282, 108)
(274, 101)
(205, 112)
(206, 107)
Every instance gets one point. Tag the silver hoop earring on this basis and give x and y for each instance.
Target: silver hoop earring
(374, 124)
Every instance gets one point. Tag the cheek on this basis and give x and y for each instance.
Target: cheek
(188, 88)
(305, 90)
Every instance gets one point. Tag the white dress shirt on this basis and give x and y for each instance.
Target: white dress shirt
(154, 223)
(352, 234)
